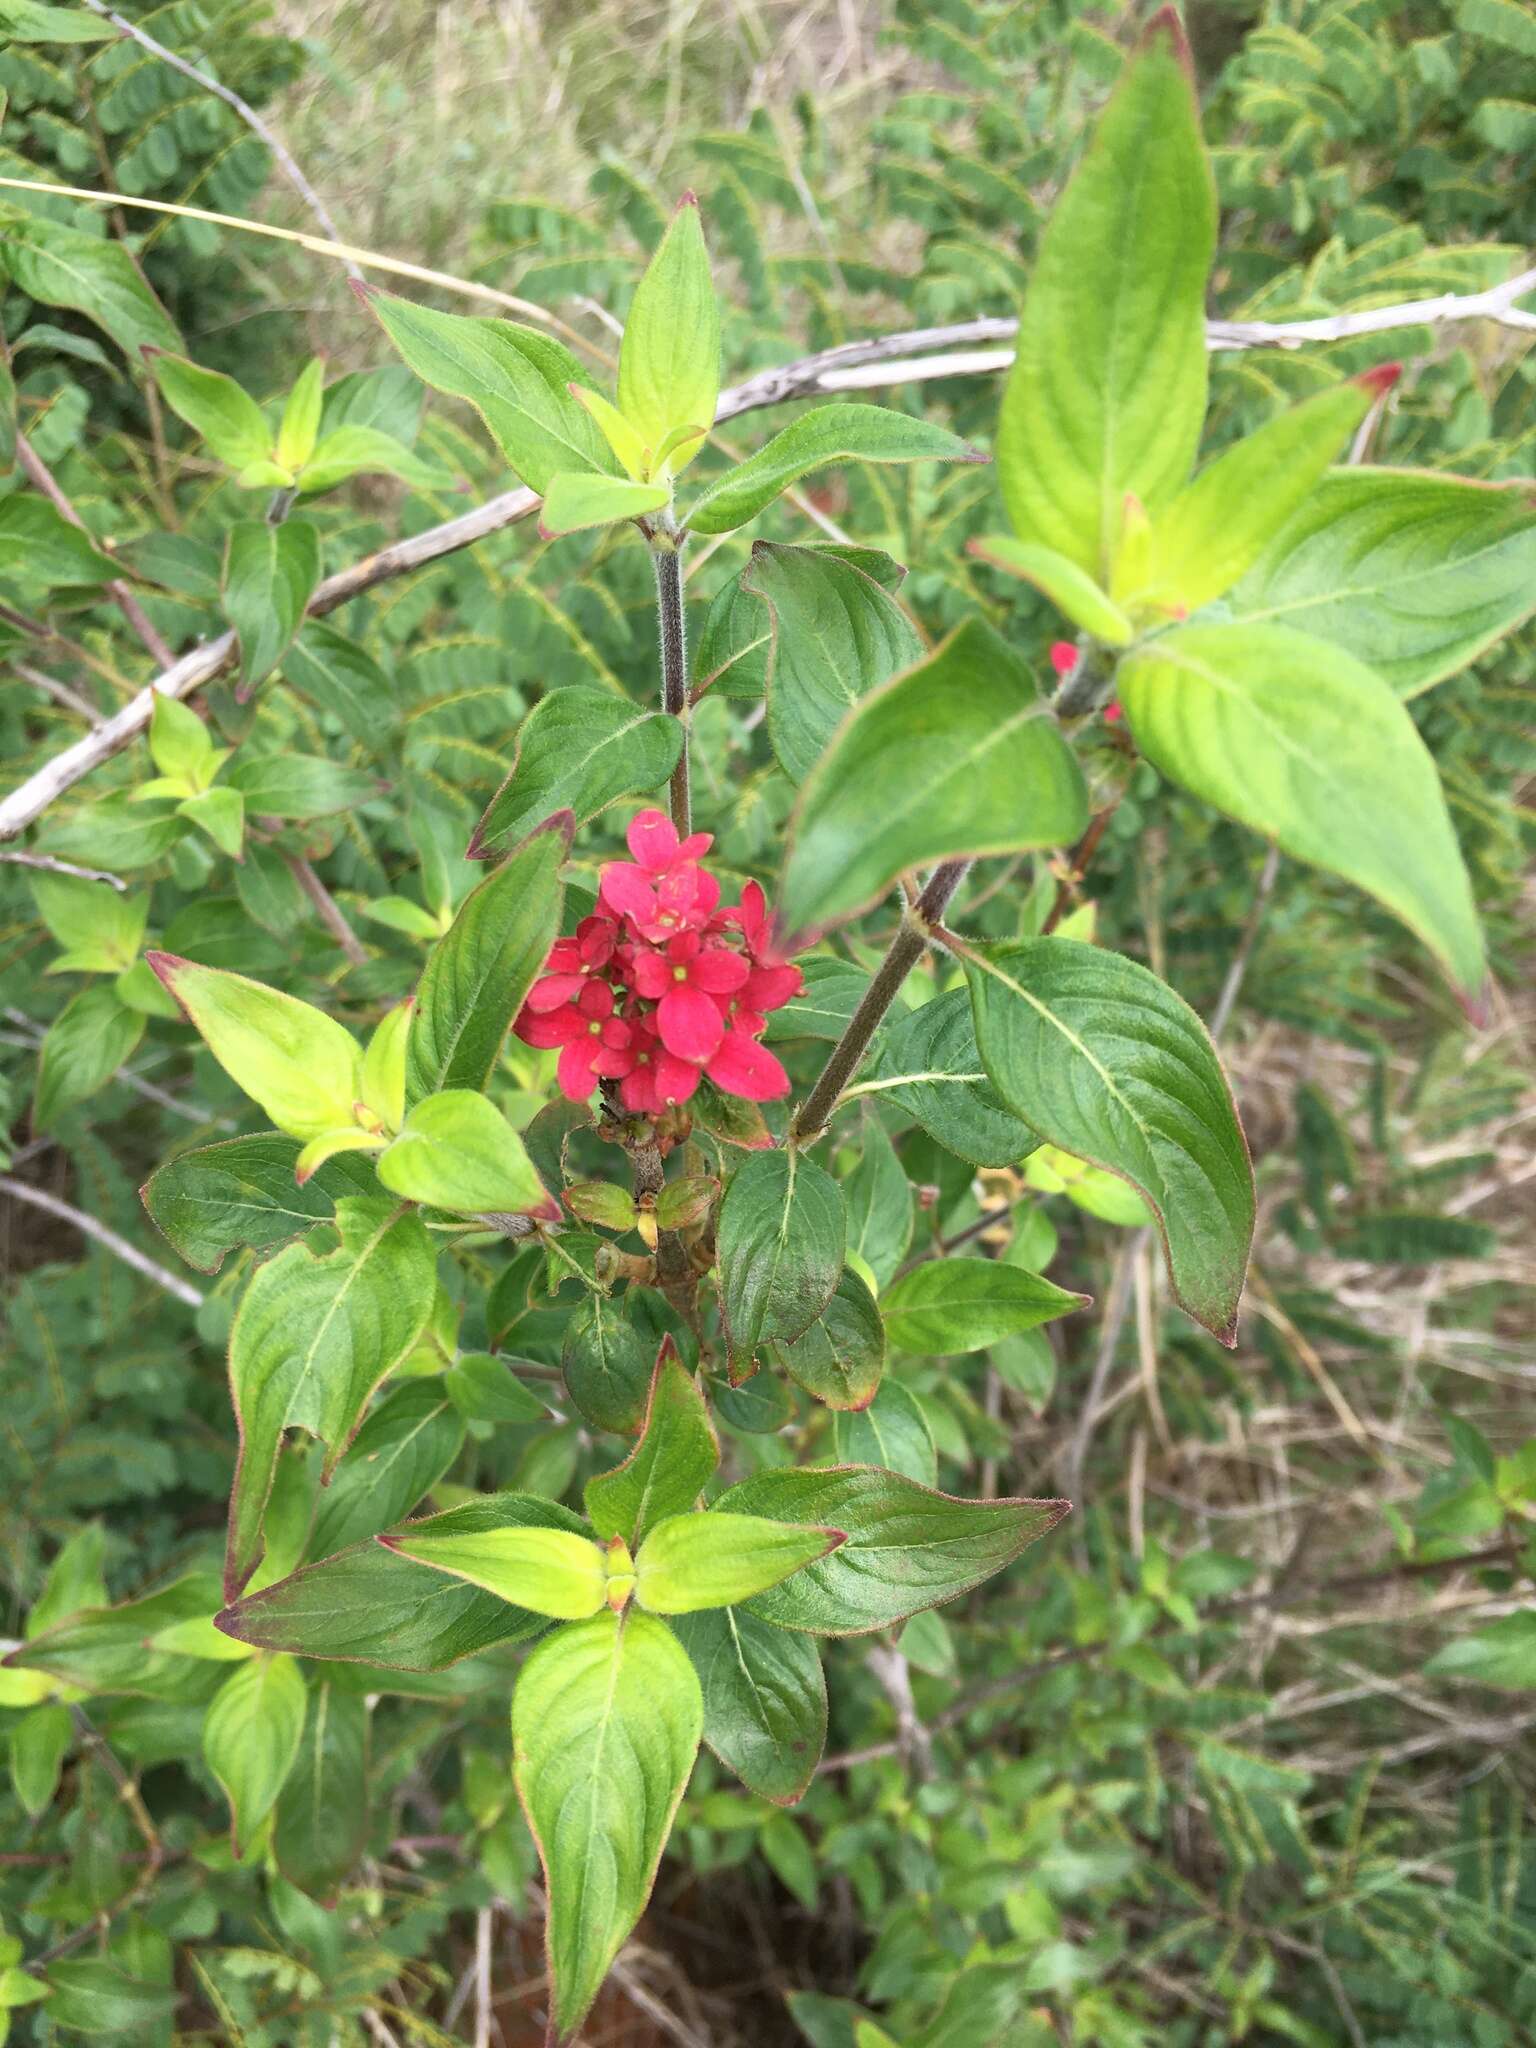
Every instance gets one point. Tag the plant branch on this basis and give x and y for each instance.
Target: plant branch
(804, 378)
(247, 113)
(39, 1198)
(41, 476)
(846, 1057)
(328, 909)
(668, 563)
(49, 866)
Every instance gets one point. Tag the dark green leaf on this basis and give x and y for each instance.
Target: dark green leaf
(1111, 1066)
(932, 1070)
(957, 756)
(322, 1817)
(478, 973)
(949, 1306)
(908, 1548)
(765, 1699)
(270, 573)
(781, 1238)
(242, 1192)
(839, 1359)
(578, 751)
(668, 1468)
(606, 1364)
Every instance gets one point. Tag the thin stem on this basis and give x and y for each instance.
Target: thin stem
(330, 912)
(846, 1057)
(50, 866)
(668, 561)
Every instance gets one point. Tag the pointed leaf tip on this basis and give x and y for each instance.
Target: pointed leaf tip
(1381, 379)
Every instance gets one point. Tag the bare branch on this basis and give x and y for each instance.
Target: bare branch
(328, 909)
(49, 866)
(39, 474)
(901, 360)
(39, 1198)
(248, 114)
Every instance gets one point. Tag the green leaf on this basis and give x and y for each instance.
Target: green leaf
(518, 381)
(31, 21)
(622, 438)
(403, 1448)
(953, 1305)
(668, 1468)
(251, 1739)
(688, 1562)
(298, 785)
(312, 1338)
(957, 756)
(840, 1358)
(547, 1571)
(91, 275)
(180, 744)
(92, 1996)
(39, 1742)
(1219, 525)
(836, 635)
(85, 1045)
(367, 451)
(322, 1815)
(669, 360)
(1107, 392)
(879, 1199)
(1070, 588)
(574, 500)
(98, 926)
(932, 1070)
(1114, 1068)
(300, 426)
(765, 1699)
(42, 550)
(457, 1151)
(1302, 743)
(607, 1367)
(221, 814)
(242, 1192)
(478, 973)
(821, 438)
(270, 573)
(1502, 1655)
(781, 1237)
(1413, 573)
(370, 1605)
(908, 1548)
(485, 1389)
(892, 1431)
(215, 406)
(301, 1066)
(577, 751)
(606, 1721)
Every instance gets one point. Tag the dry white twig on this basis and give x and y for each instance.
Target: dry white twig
(247, 113)
(899, 359)
(39, 1198)
(49, 866)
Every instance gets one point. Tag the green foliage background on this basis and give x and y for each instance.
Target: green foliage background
(1187, 1777)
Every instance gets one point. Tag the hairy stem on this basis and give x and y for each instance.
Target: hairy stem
(906, 949)
(668, 561)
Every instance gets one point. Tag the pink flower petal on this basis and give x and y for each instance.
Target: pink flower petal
(628, 890)
(718, 971)
(652, 838)
(574, 1072)
(691, 1025)
(553, 991)
(770, 988)
(743, 1067)
(649, 975)
(676, 1080)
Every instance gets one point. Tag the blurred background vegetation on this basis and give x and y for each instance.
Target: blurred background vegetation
(1243, 1754)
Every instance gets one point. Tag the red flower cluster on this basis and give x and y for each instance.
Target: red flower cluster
(660, 986)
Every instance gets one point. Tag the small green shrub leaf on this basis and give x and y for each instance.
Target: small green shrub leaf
(908, 1547)
(687, 1562)
(781, 1240)
(578, 751)
(997, 777)
(606, 1721)
(1114, 1068)
(1301, 742)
